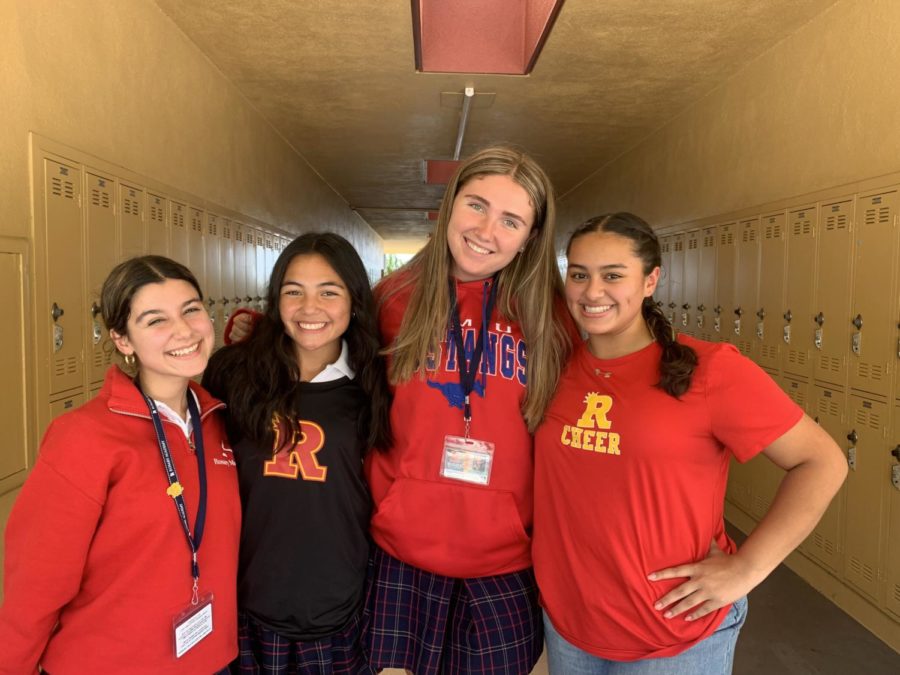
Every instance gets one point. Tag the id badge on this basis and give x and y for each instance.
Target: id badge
(192, 625)
(467, 459)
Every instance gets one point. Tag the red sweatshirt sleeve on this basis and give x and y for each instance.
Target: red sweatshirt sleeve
(48, 536)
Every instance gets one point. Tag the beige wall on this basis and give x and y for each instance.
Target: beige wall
(119, 81)
(819, 109)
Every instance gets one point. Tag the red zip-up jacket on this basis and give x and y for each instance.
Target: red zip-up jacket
(97, 564)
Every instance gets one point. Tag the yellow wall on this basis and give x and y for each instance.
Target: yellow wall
(119, 81)
(817, 110)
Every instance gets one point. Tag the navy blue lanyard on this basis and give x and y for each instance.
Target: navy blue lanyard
(175, 488)
(468, 370)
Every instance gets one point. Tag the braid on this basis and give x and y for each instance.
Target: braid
(676, 366)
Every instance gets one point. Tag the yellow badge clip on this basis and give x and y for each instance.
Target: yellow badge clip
(174, 490)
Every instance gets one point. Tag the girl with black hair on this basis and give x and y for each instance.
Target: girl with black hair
(636, 572)
(307, 398)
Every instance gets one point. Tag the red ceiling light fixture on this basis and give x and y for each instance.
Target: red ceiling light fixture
(499, 37)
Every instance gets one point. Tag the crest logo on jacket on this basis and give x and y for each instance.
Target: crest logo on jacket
(591, 431)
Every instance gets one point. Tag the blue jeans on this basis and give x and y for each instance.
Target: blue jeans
(712, 656)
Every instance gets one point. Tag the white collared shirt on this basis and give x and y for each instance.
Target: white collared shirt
(338, 369)
(185, 425)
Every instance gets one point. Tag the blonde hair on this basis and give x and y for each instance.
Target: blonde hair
(529, 288)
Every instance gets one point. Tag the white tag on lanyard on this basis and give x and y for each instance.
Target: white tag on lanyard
(467, 459)
(192, 625)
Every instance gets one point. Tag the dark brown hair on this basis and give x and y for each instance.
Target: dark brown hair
(258, 377)
(676, 367)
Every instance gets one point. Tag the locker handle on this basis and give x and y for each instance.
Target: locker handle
(210, 302)
(896, 453)
(718, 309)
(56, 311)
(858, 322)
(761, 313)
(248, 299)
(788, 316)
(659, 303)
(739, 311)
(236, 300)
(819, 319)
(701, 308)
(853, 437)
(672, 305)
(95, 309)
(685, 306)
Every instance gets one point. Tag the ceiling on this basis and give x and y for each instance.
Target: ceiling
(337, 79)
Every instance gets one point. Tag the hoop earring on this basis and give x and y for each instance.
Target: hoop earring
(130, 360)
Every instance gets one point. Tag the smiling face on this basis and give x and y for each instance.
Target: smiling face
(315, 306)
(169, 332)
(491, 221)
(605, 288)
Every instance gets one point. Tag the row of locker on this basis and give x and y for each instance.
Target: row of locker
(810, 294)
(88, 221)
(809, 291)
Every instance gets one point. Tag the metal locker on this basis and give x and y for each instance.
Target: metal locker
(250, 264)
(178, 219)
(797, 327)
(825, 543)
(893, 537)
(240, 265)
(864, 526)
(872, 329)
(211, 244)
(746, 289)
(262, 274)
(158, 226)
(706, 285)
(768, 319)
(662, 288)
(831, 315)
(676, 281)
(196, 252)
(269, 254)
(102, 248)
(726, 270)
(13, 393)
(64, 303)
(226, 268)
(687, 310)
(132, 227)
(65, 404)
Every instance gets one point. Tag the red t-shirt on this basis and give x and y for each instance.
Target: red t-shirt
(630, 480)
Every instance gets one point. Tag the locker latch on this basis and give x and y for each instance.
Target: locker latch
(851, 451)
(737, 322)
(96, 329)
(684, 314)
(817, 339)
(671, 316)
(760, 327)
(700, 316)
(856, 338)
(895, 468)
(56, 312)
(787, 329)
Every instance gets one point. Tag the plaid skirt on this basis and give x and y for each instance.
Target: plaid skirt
(265, 652)
(436, 625)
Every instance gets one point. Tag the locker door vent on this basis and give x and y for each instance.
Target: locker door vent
(836, 221)
(802, 225)
(748, 236)
(102, 358)
(100, 198)
(65, 366)
(823, 543)
(829, 407)
(131, 206)
(727, 238)
(861, 570)
(896, 592)
(798, 397)
(870, 371)
(830, 363)
(679, 245)
(709, 241)
(692, 244)
(745, 347)
(213, 228)
(178, 217)
(773, 231)
(878, 215)
(226, 232)
(196, 222)
(797, 357)
(62, 188)
(156, 212)
(769, 351)
(868, 418)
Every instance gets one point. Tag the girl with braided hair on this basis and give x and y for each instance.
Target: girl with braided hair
(636, 572)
